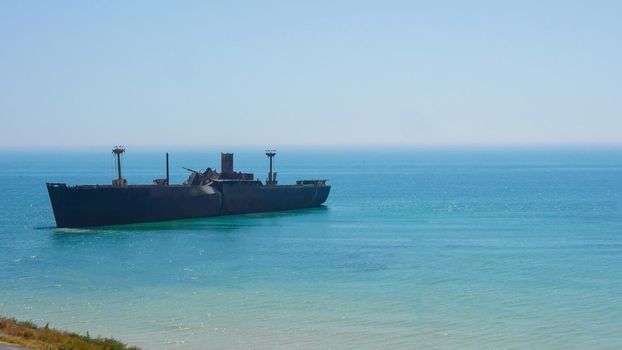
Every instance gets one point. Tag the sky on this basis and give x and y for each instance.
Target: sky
(191, 73)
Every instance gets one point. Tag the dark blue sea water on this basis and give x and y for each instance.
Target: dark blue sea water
(415, 248)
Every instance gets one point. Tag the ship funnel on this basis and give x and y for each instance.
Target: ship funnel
(226, 163)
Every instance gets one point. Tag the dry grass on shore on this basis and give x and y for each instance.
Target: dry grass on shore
(28, 334)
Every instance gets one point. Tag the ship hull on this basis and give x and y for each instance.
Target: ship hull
(88, 206)
(241, 197)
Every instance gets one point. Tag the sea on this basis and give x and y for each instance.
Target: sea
(415, 248)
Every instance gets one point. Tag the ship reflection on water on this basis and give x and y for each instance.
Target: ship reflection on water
(207, 225)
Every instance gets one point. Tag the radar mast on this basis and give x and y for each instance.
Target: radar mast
(271, 176)
(119, 181)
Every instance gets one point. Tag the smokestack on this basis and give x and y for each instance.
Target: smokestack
(226, 163)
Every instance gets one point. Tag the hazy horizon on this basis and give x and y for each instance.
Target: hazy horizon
(318, 147)
(321, 74)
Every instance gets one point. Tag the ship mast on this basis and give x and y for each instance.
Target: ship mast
(271, 176)
(167, 178)
(117, 151)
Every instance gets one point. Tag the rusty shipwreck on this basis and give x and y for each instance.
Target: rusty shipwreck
(205, 193)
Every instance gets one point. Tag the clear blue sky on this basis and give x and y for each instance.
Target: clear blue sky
(76, 73)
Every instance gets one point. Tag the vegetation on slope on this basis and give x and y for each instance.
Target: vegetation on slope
(28, 334)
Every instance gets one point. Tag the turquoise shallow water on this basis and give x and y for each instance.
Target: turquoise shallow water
(443, 249)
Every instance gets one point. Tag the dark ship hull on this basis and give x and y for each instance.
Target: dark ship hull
(205, 194)
(241, 197)
(84, 206)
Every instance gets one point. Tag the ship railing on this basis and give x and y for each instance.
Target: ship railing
(319, 182)
(56, 184)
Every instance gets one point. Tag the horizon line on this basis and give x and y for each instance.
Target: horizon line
(468, 145)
